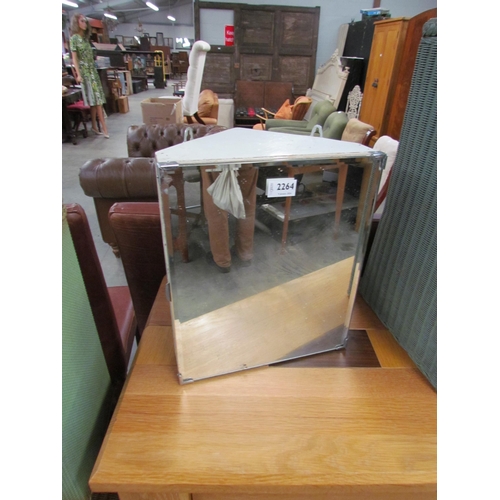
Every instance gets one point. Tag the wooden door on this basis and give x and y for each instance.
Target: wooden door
(380, 78)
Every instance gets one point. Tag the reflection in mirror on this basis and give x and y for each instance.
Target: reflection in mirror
(266, 269)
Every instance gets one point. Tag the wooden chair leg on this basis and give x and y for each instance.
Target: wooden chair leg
(342, 167)
(180, 211)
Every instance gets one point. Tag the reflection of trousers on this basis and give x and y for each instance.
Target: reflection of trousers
(218, 224)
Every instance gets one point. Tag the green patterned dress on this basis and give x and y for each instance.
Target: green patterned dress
(93, 94)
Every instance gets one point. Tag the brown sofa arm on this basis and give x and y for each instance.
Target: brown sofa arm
(113, 180)
(119, 178)
(146, 140)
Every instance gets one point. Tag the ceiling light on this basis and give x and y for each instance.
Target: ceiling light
(111, 16)
(152, 6)
(70, 4)
(172, 18)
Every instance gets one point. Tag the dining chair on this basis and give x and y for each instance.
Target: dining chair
(137, 228)
(112, 307)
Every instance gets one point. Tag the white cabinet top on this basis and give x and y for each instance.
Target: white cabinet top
(242, 145)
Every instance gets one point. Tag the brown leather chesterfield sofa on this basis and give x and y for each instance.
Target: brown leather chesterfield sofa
(113, 180)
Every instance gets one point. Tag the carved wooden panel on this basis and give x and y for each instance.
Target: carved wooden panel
(298, 30)
(218, 74)
(296, 69)
(256, 29)
(255, 67)
(271, 43)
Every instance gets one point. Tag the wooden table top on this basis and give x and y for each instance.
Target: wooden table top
(291, 430)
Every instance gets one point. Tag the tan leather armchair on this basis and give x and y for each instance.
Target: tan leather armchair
(208, 107)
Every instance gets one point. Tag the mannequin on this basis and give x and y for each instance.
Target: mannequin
(86, 73)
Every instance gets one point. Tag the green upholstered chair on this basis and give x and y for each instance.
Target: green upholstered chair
(321, 111)
(333, 127)
(86, 384)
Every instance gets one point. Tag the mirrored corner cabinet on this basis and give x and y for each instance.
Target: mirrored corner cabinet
(264, 236)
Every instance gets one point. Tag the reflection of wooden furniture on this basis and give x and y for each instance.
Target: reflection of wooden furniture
(359, 423)
(339, 197)
(389, 73)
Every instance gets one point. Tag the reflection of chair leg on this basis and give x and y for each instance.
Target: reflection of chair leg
(342, 167)
(180, 242)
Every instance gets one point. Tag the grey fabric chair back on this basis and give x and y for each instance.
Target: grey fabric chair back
(400, 277)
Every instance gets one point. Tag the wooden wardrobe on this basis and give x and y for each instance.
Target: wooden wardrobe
(390, 70)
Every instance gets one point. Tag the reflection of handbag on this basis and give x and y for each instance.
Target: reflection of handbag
(226, 192)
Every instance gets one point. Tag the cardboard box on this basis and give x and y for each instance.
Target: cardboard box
(162, 110)
(123, 104)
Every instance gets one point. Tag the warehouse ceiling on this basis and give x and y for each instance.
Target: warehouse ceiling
(132, 11)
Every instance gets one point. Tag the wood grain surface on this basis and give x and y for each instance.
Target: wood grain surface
(273, 432)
